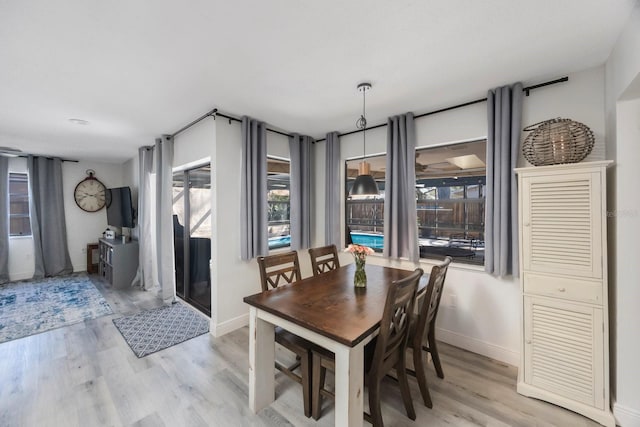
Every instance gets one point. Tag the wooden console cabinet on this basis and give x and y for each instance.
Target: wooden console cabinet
(118, 262)
(563, 276)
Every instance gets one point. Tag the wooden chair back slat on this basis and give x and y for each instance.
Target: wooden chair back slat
(431, 302)
(279, 269)
(324, 259)
(394, 327)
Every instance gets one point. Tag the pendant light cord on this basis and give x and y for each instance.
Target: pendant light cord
(361, 123)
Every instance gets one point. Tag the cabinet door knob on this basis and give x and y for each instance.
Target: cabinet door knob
(561, 289)
(528, 341)
(526, 224)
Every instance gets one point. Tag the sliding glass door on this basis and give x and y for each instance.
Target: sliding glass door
(192, 236)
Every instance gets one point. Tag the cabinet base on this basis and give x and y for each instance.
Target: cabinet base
(604, 417)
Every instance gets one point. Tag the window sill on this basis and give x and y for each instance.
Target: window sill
(20, 237)
(431, 262)
(282, 250)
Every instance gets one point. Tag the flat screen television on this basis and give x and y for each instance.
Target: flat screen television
(119, 207)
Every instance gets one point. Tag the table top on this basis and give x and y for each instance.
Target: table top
(330, 305)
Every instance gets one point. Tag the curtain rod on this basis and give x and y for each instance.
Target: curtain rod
(213, 113)
(196, 121)
(235, 119)
(24, 156)
(526, 90)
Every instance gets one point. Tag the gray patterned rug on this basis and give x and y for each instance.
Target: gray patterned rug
(160, 328)
(33, 306)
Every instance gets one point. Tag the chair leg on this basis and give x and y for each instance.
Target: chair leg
(374, 403)
(419, 366)
(305, 374)
(317, 384)
(401, 370)
(433, 349)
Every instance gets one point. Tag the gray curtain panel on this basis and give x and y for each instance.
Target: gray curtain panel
(300, 195)
(4, 220)
(46, 209)
(253, 203)
(332, 191)
(144, 276)
(163, 153)
(400, 216)
(504, 117)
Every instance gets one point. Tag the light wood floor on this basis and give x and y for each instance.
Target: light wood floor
(86, 375)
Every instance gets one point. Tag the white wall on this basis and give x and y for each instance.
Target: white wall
(623, 136)
(82, 227)
(486, 315)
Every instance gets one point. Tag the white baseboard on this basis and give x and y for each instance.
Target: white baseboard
(220, 329)
(625, 416)
(478, 346)
(21, 276)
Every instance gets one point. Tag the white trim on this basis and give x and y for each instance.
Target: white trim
(23, 275)
(283, 159)
(223, 328)
(205, 161)
(625, 416)
(478, 346)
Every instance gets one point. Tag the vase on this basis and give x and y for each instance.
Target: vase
(360, 277)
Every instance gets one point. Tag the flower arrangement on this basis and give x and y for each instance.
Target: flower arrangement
(359, 253)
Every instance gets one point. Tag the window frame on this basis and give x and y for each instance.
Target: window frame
(467, 229)
(285, 247)
(24, 178)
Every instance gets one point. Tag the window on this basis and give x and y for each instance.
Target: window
(365, 216)
(278, 187)
(19, 223)
(450, 199)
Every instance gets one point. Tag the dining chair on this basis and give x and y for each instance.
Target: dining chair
(324, 259)
(384, 353)
(424, 323)
(276, 270)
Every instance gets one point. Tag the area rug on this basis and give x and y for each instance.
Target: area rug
(160, 328)
(34, 306)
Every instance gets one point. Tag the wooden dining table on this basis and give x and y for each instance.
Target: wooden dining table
(330, 312)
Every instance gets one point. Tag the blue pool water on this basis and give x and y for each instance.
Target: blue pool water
(374, 241)
(279, 242)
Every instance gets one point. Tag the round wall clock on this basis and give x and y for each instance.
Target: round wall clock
(90, 193)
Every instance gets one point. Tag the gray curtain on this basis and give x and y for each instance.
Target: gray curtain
(4, 220)
(400, 216)
(253, 203)
(332, 191)
(144, 276)
(163, 153)
(46, 209)
(300, 195)
(504, 114)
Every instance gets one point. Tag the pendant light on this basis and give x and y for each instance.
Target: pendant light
(364, 185)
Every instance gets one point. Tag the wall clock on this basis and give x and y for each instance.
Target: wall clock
(90, 193)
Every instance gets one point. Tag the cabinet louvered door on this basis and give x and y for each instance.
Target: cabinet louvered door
(563, 349)
(561, 224)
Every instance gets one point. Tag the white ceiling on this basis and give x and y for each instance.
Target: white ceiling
(138, 69)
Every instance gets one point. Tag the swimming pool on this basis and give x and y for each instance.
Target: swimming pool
(374, 241)
(279, 242)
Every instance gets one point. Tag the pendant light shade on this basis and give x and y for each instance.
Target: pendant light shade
(364, 185)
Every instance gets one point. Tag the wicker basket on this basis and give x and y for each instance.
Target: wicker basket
(557, 141)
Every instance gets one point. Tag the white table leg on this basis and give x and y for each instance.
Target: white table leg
(349, 386)
(261, 362)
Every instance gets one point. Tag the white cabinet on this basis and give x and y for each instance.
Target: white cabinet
(565, 328)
